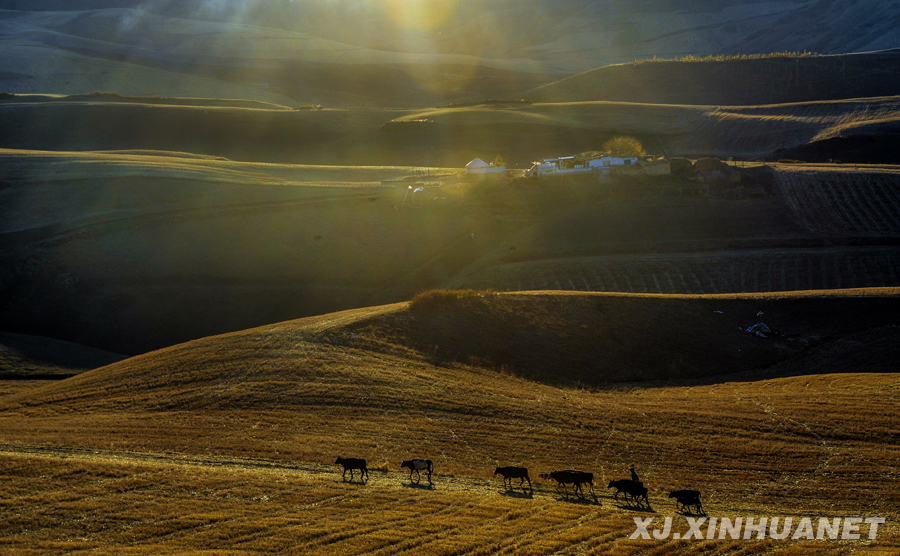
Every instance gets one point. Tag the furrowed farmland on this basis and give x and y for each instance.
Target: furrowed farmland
(822, 227)
(700, 273)
(861, 201)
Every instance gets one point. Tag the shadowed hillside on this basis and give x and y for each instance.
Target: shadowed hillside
(136, 250)
(767, 80)
(596, 339)
(32, 358)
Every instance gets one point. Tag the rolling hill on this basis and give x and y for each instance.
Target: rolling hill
(210, 421)
(447, 136)
(377, 53)
(130, 251)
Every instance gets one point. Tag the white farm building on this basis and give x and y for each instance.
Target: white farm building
(479, 166)
(574, 165)
(563, 165)
(607, 161)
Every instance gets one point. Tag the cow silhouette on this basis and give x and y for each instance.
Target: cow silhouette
(350, 464)
(510, 473)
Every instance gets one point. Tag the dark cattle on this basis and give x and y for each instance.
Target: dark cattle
(620, 486)
(569, 477)
(351, 464)
(510, 473)
(633, 489)
(687, 499)
(418, 465)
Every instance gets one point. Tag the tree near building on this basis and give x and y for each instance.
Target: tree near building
(623, 145)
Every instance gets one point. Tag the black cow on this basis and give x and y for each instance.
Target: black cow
(418, 465)
(686, 499)
(620, 485)
(351, 464)
(634, 489)
(510, 473)
(575, 478)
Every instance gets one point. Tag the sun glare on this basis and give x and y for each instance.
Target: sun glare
(421, 14)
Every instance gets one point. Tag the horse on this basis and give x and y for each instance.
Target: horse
(636, 490)
(351, 464)
(418, 465)
(575, 478)
(685, 499)
(510, 473)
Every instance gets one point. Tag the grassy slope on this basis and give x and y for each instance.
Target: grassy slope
(302, 392)
(125, 503)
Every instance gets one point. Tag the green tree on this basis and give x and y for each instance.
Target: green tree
(623, 145)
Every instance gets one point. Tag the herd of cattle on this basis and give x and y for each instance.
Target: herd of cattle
(632, 490)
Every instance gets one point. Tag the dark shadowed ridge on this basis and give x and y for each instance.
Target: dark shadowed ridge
(581, 340)
(24, 357)
(775, 80)
(595, 339)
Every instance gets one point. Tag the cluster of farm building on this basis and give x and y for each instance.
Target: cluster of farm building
(603, 166)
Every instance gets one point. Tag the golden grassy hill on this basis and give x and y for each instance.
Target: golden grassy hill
(212, 421)
(387, 359)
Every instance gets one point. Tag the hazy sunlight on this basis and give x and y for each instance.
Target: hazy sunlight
(420, 14)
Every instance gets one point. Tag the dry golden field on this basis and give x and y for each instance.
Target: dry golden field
(227, 443)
